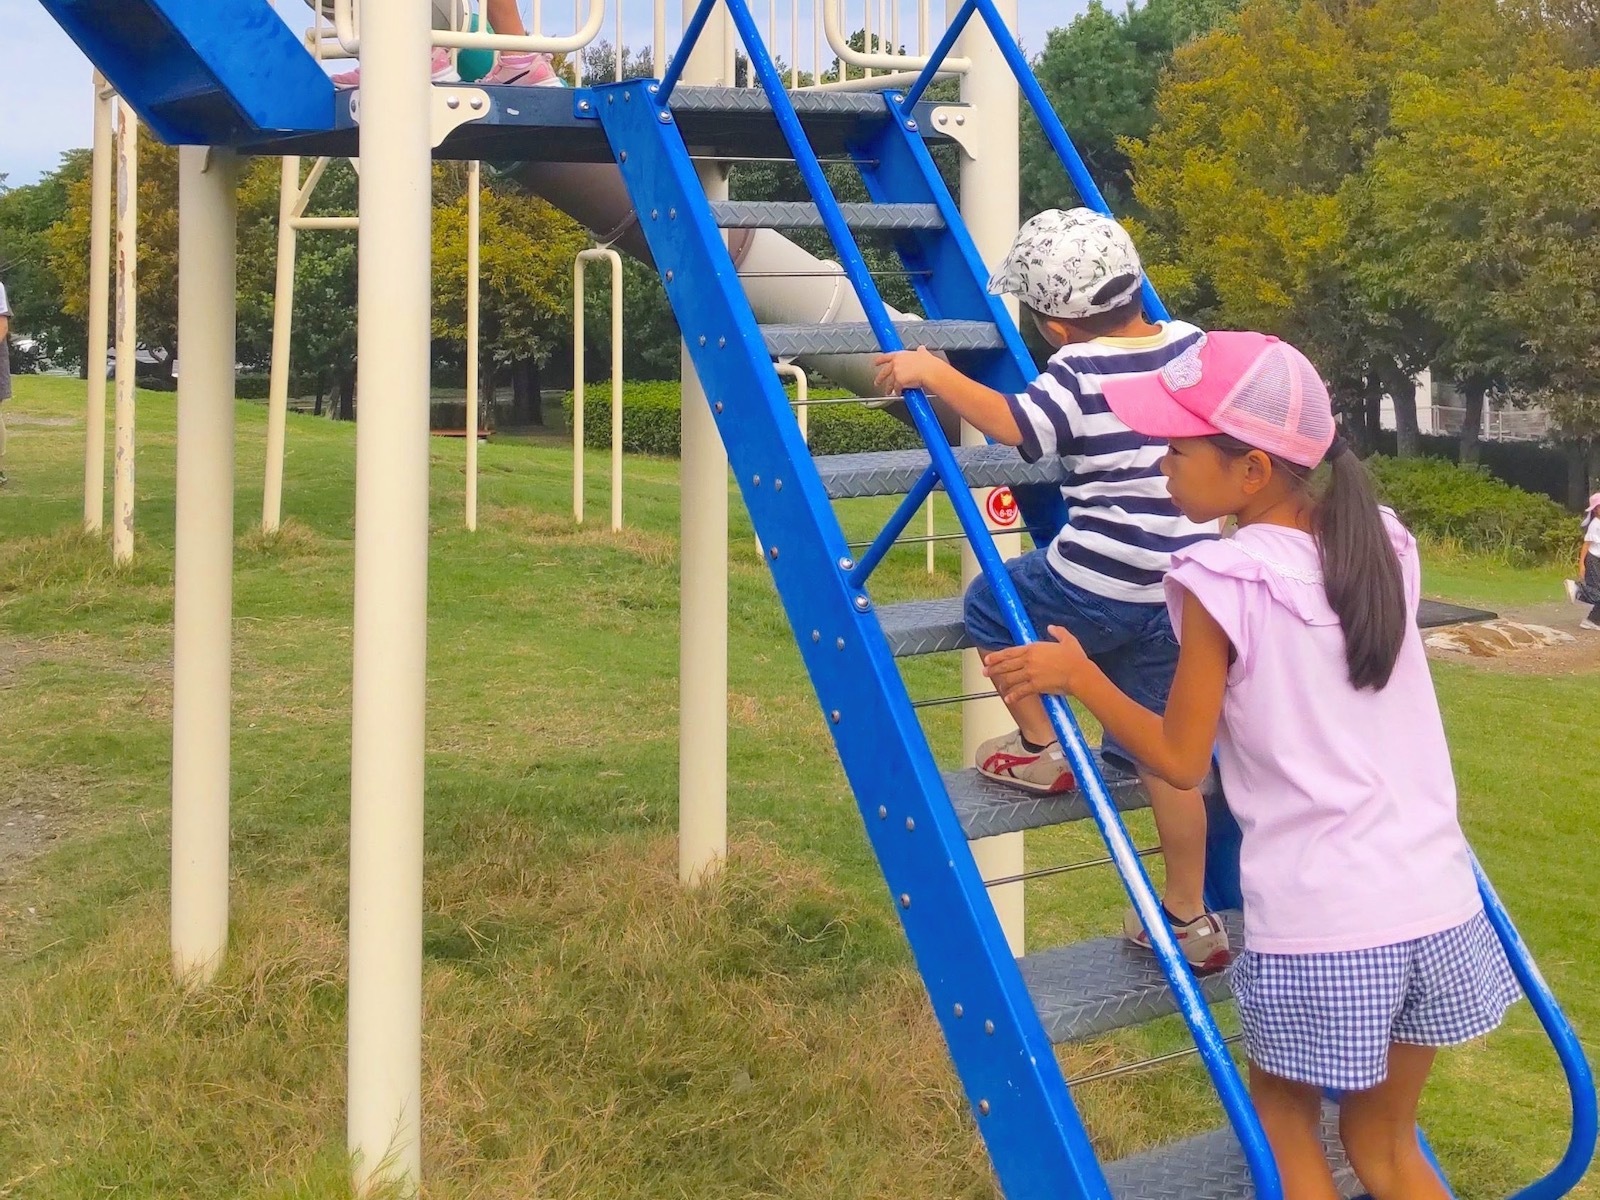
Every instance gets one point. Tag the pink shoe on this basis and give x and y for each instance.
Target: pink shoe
(444, 71)
(523, 70)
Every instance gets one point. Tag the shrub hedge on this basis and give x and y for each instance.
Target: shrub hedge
(650, 424)
(1468, 506)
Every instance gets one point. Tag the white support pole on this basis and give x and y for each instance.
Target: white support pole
(703, 646)
(391, 603)
(616, 390)
(990, 203)
(282, 331)
(94, 446)
(202, 651)
(474, 239)
(127, 329)
(578, 369)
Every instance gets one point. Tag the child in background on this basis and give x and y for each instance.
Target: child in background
(1079, 277)
(1366, 944)
(1585, 589)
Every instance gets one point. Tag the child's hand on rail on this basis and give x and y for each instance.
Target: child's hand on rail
(1054, 668)
(919, 368)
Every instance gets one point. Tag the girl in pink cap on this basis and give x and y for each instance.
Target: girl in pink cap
(1366, 944)
(1585, 589)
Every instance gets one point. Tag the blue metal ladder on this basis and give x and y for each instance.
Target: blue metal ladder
(1000, 1016)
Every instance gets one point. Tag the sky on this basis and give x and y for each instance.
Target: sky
(45, 89)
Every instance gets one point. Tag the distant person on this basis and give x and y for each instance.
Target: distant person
(1078, 276)
(1366, 944)
(510, 70)
(5, 373)
(1585, 589)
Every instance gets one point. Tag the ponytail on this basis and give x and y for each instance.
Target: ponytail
(1360, 570)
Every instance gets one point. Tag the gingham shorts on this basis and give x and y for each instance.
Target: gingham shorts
(1328, 1019)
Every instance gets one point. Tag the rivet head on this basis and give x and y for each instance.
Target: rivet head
(988, 1027)
(961, 119)
(718, 406)
(722, 343)
(943, 118)
(910, 825)
(655, 214)
(672, 214)
(777, 485)
(583, 106)
(838, 643)
(773, 552)
(847, 563)
(905, 899)
(834, 716)
(453, 102)
(702, 339)
(653, 88)
(670, 277)
(666, 117)
(959, 1011)
(882, 812)
(609, 100)
(475, 103)
(755, 480)
(911, 125)
(816, 635)
(983, 1107)
(623, 157)
(862, 604)
(627, 97)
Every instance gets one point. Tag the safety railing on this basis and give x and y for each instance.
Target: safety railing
(1191, 1003)
(897, 36)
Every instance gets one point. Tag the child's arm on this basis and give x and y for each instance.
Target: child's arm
(1176, 747)
(980, 406)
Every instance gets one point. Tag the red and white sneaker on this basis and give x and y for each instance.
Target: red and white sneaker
(1045, 771)
(523, 70)
(443, 68)
(1204, 940)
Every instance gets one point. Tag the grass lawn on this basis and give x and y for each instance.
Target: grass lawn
(591, 1029)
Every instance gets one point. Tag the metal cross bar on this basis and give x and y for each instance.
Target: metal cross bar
(1144, 1064)
(1063, 869)
(909, 504)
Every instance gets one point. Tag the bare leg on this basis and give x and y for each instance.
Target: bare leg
(504, 18)
(1290, 1113)
(1031, 719)
(1379, 1130)
(1181, 825)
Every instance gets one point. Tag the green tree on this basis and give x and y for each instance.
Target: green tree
(34, 288)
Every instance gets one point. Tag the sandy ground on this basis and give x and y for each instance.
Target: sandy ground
(1580, 657)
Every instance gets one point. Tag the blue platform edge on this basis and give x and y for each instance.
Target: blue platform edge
(202, 72)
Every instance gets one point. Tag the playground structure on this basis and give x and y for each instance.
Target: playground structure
(936, 834)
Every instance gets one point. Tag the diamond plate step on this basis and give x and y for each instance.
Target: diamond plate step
(924, 626)
(1212, 1167)
(894, 472)
(852, 337)
(987, 808)
(776, 214)
(687, 99)
(1106, 983)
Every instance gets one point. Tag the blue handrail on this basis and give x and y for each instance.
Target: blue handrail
(1191, 1003)
(1564, 1176)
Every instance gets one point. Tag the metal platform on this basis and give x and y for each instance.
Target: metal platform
(789, 214)
(856, 337)
(987, 808)
(1211, 1167)
(549, 124)
(894, 472)
(1107, 983)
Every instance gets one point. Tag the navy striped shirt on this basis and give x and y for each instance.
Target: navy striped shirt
(1122, 526)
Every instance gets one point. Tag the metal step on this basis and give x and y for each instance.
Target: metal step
(702, 99)
(1212, 1167)
(1107, 983)
(987, 808)
(894, 472)
(924, 626)
(779, 214)
(856, 337)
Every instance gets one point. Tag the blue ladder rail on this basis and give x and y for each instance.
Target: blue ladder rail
(1191, 1003)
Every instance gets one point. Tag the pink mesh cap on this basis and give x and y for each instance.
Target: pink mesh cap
(1248, 385)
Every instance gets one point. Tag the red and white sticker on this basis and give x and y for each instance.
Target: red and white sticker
(1002, 508)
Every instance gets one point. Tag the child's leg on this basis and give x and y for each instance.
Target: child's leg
(1290, 1113)
(1181, 825)
(1379, 1130)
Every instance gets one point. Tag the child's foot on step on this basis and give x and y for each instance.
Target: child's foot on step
(1204, 941)
(1010, 759)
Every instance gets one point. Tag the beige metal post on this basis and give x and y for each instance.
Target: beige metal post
(989, 202)
(597, 254)
(127, 329)
(282, 342)
(94, 445)
(474, 237)
(703, 653)
(202, 650)
(391, 602)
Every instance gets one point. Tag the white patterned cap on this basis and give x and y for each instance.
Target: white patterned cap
(1070, 263)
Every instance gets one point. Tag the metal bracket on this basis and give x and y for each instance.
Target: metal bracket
(956, 122)
(450, 108)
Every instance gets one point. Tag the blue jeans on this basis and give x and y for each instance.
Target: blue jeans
(1132, 643)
